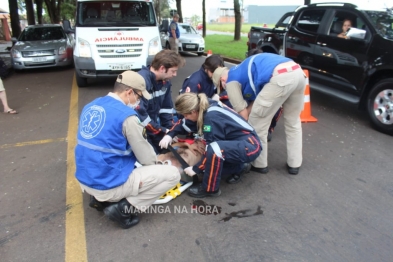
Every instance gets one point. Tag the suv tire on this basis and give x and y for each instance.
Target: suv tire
(380, 106)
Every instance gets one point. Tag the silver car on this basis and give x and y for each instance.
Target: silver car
(189, 41)
(42, 46)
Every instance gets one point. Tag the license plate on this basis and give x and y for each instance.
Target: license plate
(39, 59)
(121, 67)
(190, 46)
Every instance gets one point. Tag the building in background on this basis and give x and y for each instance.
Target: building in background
(4, 25)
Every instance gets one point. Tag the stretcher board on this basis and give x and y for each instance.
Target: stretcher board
(173, 193)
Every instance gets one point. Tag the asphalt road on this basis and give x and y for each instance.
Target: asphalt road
(339, 208)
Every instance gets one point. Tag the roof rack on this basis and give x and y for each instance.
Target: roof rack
(334, 3)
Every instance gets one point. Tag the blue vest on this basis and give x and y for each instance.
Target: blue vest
(177, 31)
(257, 69)
(103, 157)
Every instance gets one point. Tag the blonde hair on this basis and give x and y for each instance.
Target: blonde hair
(187, 102)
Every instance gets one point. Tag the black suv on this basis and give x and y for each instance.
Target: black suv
(358, 68)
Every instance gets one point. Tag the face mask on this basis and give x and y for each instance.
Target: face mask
(133, 105)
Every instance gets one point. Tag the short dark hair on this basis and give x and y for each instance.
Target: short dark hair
(168, 59)
(212, 62)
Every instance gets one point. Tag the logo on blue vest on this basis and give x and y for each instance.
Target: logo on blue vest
(92, 121)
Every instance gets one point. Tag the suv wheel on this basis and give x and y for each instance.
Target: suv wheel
(380, 106)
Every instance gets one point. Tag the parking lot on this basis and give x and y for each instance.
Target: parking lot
(339, 207)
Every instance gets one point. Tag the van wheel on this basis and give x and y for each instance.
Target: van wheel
(380, 106)
(81, 81)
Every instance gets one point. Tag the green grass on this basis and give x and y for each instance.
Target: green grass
(224, 45)
(229, 27)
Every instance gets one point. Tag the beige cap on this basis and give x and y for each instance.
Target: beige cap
(216, 77)
(135, 81)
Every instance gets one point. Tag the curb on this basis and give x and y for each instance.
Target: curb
(227, 59)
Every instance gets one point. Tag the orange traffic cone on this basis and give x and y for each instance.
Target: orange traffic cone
(209, 53)
(305, 115)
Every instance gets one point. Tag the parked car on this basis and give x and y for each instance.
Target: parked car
(190, 40)
(199, 26)
(42, 46)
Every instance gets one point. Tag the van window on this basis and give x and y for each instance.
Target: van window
(310, 20)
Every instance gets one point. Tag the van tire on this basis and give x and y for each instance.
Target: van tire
(381, 98)
(81, 81)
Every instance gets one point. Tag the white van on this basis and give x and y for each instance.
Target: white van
(113, 36)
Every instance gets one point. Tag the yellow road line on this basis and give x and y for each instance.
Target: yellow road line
(75, 237)
(29, 143)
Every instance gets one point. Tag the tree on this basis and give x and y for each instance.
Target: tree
(53, 8)
(67, 10)
(195, 19)
(38, 5)
(161, 8)
(30, 12)
(203, 18)
(238, 19)
(14, 15)
(179, 12)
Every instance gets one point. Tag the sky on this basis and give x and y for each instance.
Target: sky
(190, 7)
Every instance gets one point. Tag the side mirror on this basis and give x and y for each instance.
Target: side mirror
(14, 40)
(67, 27)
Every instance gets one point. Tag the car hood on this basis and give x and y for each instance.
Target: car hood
(192, 37)
(39, 45)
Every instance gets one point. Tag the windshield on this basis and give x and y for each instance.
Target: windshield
(187, 29)
(42, 33)
(383, 22)
(112, 13)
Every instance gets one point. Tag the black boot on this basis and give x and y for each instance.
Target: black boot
(94, 203)
(199, 192)
(235, 178)
(122, 213)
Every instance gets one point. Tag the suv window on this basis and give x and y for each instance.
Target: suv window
(310, 20)
(383, 22)
(336, 26)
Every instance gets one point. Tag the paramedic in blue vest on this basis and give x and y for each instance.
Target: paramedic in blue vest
(157, 112)
(257, 88)
(174, 33)
(231, 143)
(110, 142)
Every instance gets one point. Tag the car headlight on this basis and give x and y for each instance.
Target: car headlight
(84, 48)
(15, 53)
(202, 41)
(154, 46)
(62, 50)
